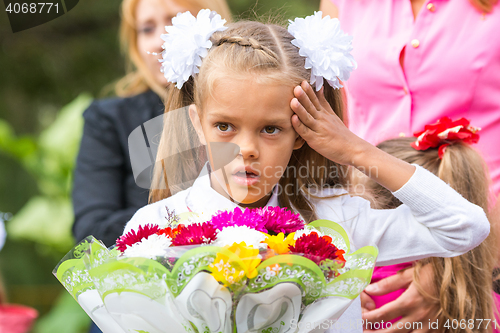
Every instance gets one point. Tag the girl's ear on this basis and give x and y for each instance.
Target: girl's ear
(299, 142)
(195, 120)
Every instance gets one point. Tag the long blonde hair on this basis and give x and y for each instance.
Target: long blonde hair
(265, 52)
(463, 283)
(138, 78)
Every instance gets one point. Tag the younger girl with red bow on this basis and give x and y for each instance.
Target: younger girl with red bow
(457, 289)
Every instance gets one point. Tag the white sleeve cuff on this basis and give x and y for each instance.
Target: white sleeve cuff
(424, 191)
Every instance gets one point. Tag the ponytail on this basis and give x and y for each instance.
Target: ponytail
(464, 284)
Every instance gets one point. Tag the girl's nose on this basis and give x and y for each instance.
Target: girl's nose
(249, 148)
(157, 41)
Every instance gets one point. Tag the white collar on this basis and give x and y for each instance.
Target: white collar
(202, 198)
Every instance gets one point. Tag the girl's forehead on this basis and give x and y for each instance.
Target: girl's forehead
(251, 101)
(165, 7)
(249, 86)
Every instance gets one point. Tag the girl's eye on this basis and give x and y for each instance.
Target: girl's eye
(223, 127)
(146, 30)
(271, 130)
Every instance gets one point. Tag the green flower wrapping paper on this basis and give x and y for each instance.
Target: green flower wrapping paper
(207, 288)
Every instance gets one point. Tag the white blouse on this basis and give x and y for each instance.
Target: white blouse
(434, 221)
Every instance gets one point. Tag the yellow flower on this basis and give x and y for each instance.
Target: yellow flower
(249, 255)
(228, 272)
(224, 272)
(279, 243)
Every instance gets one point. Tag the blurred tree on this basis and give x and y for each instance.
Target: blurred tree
(45, 220)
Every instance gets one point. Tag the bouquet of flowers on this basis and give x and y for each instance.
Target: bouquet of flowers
(252, 270)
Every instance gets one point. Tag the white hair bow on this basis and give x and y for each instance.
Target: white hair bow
(326, 49)
(320, 40)
(187, 41)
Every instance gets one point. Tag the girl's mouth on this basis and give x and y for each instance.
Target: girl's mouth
(245, 178)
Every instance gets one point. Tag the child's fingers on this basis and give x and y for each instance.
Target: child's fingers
(322, 100)
(367, 303)
(386, 312)
(391, 283)
(304, 116)
(304, 99)
(299, 127)
(311, 94)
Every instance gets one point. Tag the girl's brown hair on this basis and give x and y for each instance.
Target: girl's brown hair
(463, 283)
(254, 51)
(138, 78)
(485, 6)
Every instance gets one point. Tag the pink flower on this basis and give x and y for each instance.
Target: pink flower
(269, 219)
(195, 234)
(132, 237)
(278, 220)
(248, 217)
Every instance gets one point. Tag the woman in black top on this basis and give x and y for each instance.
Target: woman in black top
(105, 195)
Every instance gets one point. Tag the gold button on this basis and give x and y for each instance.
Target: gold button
(415, 43)
(402, 135)
(431, 7)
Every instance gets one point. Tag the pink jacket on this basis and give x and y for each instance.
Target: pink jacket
(451, 68)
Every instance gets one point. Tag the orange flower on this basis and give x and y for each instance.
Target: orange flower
(170, 232)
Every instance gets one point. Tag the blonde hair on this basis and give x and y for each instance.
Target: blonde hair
(463, 283)
(138, 78)
(265, 52)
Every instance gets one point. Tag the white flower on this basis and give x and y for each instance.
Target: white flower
(151, 247)
(186, 42)
(306, 231)
(272, 271)
(326, 48)
(237, 234)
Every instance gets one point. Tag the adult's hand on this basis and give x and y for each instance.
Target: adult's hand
(412, 306)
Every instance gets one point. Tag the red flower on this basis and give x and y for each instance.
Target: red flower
(132, 237)
(443, 133)
(317, 248)
(169, 231)
(194, 234)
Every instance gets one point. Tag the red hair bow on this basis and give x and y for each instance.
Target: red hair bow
(443, 133)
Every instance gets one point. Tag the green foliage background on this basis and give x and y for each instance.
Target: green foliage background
(49, 75)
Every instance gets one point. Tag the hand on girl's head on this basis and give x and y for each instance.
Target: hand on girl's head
(316, 122)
